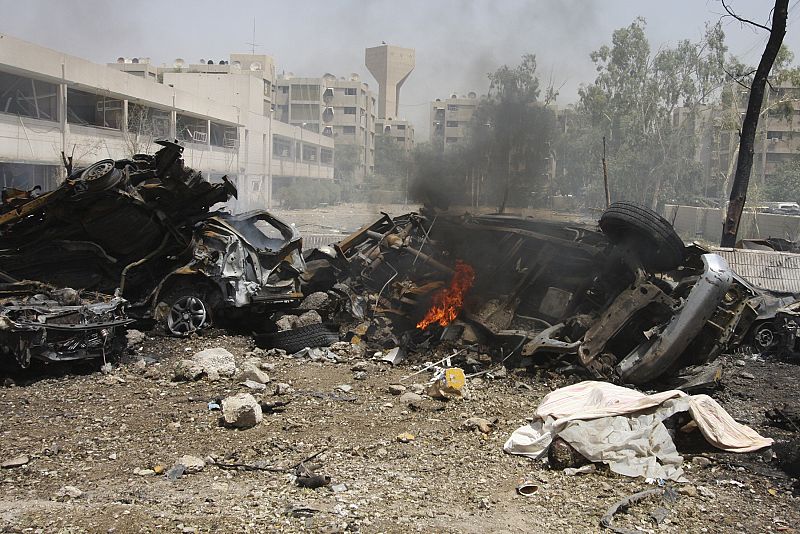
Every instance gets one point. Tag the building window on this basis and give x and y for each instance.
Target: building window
(350, 91)
(349, 111)
(452, 107)
(305, 112)
(24, 176)
(774, 136)
(191, 129)
(326, 156)
(401, 126)
(224, 136)
(452, 124)
(349, 130)
(309, 153)
(281, 147)
(144, 120)
(306, 92)
(452, 140)
(327, 131)
(28, 97)
(93, 110)
(285, 89)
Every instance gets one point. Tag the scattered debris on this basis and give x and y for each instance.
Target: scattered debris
(405, 437)
(191, 464)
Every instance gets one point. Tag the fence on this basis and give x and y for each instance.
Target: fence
(705, 224)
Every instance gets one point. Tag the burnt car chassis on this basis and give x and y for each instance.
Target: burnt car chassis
(143, 228)
(627, 301)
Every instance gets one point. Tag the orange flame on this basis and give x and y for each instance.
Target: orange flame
(447, 302)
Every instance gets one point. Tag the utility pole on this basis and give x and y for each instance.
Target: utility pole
(744, 165)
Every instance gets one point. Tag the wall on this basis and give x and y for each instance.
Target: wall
(705, 224)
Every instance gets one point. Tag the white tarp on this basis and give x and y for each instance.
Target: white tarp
(623, 428)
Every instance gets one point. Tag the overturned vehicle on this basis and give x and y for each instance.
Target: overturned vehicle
(143, 228)
(625, 301)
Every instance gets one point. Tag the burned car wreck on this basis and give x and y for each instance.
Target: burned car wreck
(627, 301)
(41, 322)
(144, 228)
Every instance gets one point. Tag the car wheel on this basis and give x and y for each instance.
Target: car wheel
(764, 337)
(189, 309)
(648, 233)
(98, 176)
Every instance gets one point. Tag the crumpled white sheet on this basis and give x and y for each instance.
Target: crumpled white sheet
(623, 428)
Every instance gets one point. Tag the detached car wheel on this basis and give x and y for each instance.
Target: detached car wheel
(189, 310)
(313, 335)
(764, 337)
(652, 236)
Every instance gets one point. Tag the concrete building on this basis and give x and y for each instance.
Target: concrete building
(52, 102)
(390, 66)
(401, 131)
(450, 118)
(339, 108)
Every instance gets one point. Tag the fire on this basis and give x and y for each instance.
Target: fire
(447, 302)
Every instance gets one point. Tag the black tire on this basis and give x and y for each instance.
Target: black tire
(648, 233)
(313, 335)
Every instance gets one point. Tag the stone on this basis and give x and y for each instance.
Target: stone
(345, 388)
(396, 389)
(701, 461)
(16, 461)
(134, 337)
(739, 363)
(360, 367)
(251, 370)
(315, 301)
(689, 491)
(747, 375)
(255, 386)
(705, 492)
(241, 411)
(216, 360)
(69, 492)
(282, 388)
(360, 375)
(308, 318)
(419, 389)
(143, 472)
(480, 423)
(285, 323)
(410, 398)
(187, 371)
(191, 464)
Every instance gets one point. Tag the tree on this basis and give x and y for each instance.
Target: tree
(744, 164)
(346, 163)
(511, 132)
(650, 107)
(785, 183)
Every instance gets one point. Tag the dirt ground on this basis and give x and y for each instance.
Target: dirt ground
(96, 431)
(94, 440)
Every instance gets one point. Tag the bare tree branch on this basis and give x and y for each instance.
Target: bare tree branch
(738, 78)
(743, 20)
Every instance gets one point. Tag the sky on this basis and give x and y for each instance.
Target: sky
(457, 42)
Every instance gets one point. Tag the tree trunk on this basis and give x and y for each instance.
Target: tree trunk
(744, 165)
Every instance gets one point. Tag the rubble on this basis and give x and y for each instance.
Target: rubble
(241, 411)
(191, 464)
(216, 361)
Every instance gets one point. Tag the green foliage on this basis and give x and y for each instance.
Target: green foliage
(650, 154)
(784, 185)
(345, 169)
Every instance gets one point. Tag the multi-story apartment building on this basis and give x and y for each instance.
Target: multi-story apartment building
(450, 119)
(401, 131)
(54, 102)
(339, 108)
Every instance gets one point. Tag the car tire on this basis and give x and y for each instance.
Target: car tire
(190, 308)
(648, 233)
(313, 335)
(98, 176)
